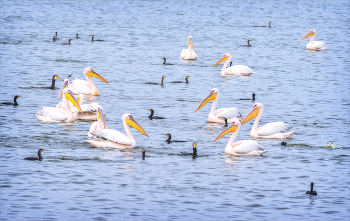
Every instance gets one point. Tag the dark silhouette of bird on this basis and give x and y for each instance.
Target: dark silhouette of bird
(40, 158)
(54, 78)
(151, 117)
(10, 103)
(165, 61)
(186, 80)
(161, 83)
(311, 192)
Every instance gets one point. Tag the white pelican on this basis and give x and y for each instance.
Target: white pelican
(54, 114)
(99, 124)
(188, 54)
(86, 87)
(216, 115)
(89, 110)
(113, 138)
(314, 45)
(243, 147)
(233, 70)
(270, 130)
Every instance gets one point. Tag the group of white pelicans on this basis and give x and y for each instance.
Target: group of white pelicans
(72, 108)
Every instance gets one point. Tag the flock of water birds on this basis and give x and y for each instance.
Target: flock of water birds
(71, 108)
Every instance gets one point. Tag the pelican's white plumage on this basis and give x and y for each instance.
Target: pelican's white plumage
(270, 130)
(99, 124)
(86, 87)
(116, 139)
(314, 45)
(54, 114)
(243, 147)
(216, 115)
(233, 70)
(188, 54)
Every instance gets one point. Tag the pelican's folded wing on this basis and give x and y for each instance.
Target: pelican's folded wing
(80, 86)
(273, 128)
(87, 108)
(53, 113)
(113, 135)
(246, 146)
(228, 113)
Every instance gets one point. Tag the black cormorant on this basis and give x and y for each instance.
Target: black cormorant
(265, 26)
(225, 119)
(248, 43)
(77, 36)
(92, 39)
(40, 158)
(10, 103)
(154, 117)
(161, 84)
(187, 77)
(165, 61)
(312, 192)
(194, 154)
(54, 38)
(68, 42)
(246, 99)
(54, 78)
(169, 139)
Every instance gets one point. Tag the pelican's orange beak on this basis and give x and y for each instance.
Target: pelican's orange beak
(250, 116)
(230, 128)
(224, 58)
(308, 35)
(94, 74)
(133, 123)
(210, 97)
(101, 116)
(69, 96)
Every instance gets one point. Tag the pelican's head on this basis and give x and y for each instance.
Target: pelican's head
(91, 73)
(65, 85)
(129, 120)
(190, 42)
(101, 116)
(312, 32)
(224, 58)
(68, 94)
(257, 107)
(232, 127)
(212, 96)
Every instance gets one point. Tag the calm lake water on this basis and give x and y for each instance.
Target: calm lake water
(307, 90)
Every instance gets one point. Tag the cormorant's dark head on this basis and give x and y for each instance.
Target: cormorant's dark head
(70, 40)
(143, 150)
(41, 150)
(187, 77)
(270, 22)
(163, 58)
(195, 144)
(253, 96)
(284, 143)
(168, 135)
(151, 110)
(77, 34)
(17, 96)
(163, 77)
(55, 77)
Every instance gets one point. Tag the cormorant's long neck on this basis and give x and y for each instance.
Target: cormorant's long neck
(194, 151)
(92, 39)
(164, 61)
(253, 97)
(53, 82)
(162, 82)
(56, 33)
(256, 122)
(187, 80)
(151, 115)
(92, 85)
(15, 101)
(213, 106)
(248, 43)
(269, 25)
(169, 139)
(127, 130)
(39, 155)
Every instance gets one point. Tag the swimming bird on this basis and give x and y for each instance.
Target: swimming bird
(284, 143)
(188, 54)
(216, 115)
(54, 38)
(161, 84)
(99, 124)
(68, 42)
(89, 110)
(151, 117)
(186, 80)
(54, 114)
(194, 153)
(10, 103)
(165, 61)
(245, 99)
(54, 78)
(314, 45)
(115, 139)
(40, 158)
(225, 121)
(311, 192)
(265, 25)
(70, 75)
(243, 147)
(270, 130)
(77, 36)
(86, 87)
(169, 139)
(248, 44)
(230, 63)
(234, 70)
(92, 39)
